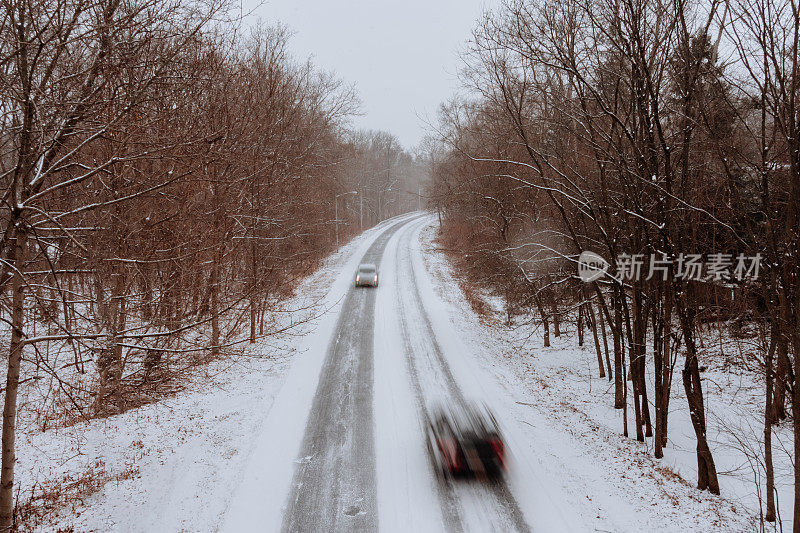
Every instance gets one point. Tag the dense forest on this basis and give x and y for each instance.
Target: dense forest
(662, 137)
(166, 177)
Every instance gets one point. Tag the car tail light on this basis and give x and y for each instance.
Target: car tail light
(376, 280)
(448, 449)
(356, 279)
(499, 449)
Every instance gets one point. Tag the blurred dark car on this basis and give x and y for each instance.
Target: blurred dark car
(367, 275)
(465, 441)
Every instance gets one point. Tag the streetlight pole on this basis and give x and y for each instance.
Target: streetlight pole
(336, 212)
(361, 208)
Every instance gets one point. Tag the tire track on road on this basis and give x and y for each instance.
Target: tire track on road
(444, 489)
(447, 497)
(334, 485)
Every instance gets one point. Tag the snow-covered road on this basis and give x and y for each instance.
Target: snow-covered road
(463, 506)
(334, 483)
(362, 463)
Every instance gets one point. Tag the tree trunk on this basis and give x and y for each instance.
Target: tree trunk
(624, 402)
(601, 314)
(789, 308)
(214, 287)
(781, 378)
(648, 423)
(768, 405)
(593, 324)
(637, 352)
(545, 322)
(556, 325)
(634, 361)
(666, 373)
(109, 361)
(706, 470)
(253, 290)
(619, 378)
(12, 385)
(658, 374)
(253, 319)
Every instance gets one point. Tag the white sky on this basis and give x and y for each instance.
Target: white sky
(401, 55)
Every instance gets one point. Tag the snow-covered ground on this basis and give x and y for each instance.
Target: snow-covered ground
(222, 454)
(565, 414)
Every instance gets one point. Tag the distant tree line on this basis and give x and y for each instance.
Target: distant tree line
(389, 179)
(644, 128)
(166, 179)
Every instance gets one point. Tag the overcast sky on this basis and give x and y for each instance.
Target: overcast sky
(401, 54)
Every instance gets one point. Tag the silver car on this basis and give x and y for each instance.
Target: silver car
(367, 275)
